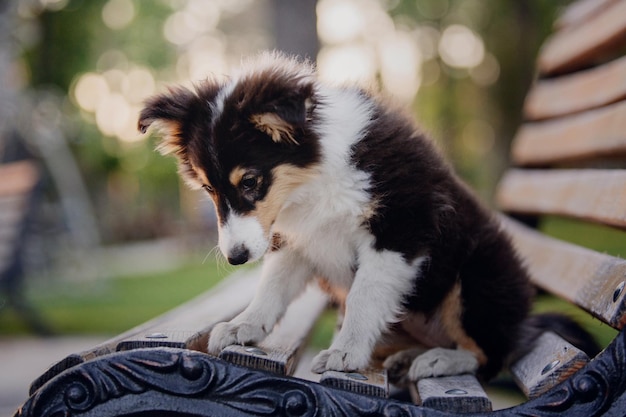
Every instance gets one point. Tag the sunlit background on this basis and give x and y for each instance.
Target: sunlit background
(74, 74)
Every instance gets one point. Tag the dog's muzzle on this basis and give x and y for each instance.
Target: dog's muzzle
(238, 255)
(242, 239)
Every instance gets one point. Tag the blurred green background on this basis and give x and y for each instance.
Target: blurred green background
(118, 239)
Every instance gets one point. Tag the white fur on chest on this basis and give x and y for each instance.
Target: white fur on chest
(323, 219)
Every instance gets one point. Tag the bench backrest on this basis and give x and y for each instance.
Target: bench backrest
(569, 157)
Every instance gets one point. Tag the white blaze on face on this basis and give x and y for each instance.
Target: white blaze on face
(242, 239)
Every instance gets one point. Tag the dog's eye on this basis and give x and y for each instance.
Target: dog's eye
(248, 182)
(208, 188)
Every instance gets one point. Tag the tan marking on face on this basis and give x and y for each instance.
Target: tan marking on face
(451, 311)
(236, 175)
(277, 128)
(286, 179)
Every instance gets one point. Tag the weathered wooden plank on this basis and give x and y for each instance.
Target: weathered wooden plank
(579, 11)
(189, 325)
(551, 361)
(371, 381)
(576, 92)
(600, 132)
(592, 280)
(453, 394)
(185, 326)
(595, 195)
(583, 44)
(280, 351)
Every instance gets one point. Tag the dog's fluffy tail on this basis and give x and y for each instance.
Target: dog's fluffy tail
(562, 325)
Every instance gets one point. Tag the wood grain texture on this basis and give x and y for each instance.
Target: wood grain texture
(592, 280)
(551, 361)
(594, 195)
(280, 351)
(453, 394)
(583, 45)
(576, 92)
(600, 132)
(371, 381)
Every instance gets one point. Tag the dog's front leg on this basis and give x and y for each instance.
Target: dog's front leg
(284, 276)
(374, 301)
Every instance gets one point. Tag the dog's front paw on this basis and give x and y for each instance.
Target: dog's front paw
(229, 333)
(338, 360)
(442, 362)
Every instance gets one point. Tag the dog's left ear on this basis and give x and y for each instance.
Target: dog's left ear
(286, 115)
(168, 112)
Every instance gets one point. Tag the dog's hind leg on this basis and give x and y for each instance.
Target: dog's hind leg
(466, 358)
(443, 362)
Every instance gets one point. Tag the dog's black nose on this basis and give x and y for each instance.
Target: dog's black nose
(238, 255)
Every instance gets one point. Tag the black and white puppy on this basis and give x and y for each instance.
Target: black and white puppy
(334, 182)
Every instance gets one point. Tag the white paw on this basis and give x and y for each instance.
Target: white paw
(338, 360)
(229, 333)
(442, 362)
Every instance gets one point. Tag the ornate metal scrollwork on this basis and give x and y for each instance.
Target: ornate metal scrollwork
(179, 381)
(591, 391)
(195, 383)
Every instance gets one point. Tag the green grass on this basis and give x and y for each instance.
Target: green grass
(116, 304)
(600, 238)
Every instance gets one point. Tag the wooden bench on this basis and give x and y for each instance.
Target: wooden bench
(566, 160)
(19, 191)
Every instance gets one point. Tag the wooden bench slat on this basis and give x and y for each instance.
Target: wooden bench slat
(371, 381)
(187, 326)
(577, 92)
(579, 11)
(600, 132)
(279, 352)
(453, 394)
(190, 325)
(551, 361)
(589, 279)
(595, 195)
(580, 46)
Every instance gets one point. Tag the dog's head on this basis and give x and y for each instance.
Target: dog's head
(248, 142)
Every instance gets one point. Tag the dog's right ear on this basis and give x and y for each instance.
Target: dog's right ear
(167, 112)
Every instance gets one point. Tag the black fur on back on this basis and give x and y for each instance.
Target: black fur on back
(425, 209)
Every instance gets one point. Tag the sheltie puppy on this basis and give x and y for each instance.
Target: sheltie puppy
(335, 182)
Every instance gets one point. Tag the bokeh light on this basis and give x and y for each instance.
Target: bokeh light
(117, 14)
(460, 47)
(351, 63)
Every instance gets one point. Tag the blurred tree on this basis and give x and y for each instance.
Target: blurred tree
(475, 112)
